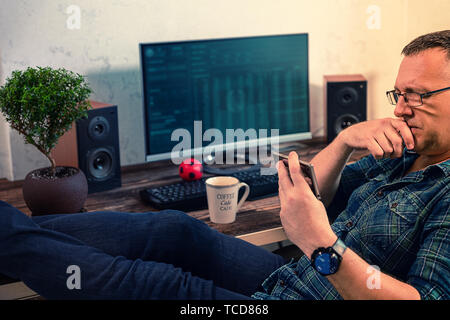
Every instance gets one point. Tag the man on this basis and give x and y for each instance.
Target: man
(392, 213)
(398, 218)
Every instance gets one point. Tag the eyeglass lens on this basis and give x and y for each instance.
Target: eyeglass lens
(411, 98)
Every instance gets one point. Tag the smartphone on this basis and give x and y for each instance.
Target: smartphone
(308, 172)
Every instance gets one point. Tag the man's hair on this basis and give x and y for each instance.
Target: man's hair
(439, 39)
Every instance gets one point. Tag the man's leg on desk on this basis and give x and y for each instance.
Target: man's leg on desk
(129, 256)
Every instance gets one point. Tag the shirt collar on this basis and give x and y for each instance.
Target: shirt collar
(395, 168)
(444, 167)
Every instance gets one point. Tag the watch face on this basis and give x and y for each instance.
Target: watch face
(326, 263)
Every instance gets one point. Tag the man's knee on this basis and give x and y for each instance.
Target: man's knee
(186, 221)
(175, 221)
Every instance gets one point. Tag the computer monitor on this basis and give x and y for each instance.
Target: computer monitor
(196, 94)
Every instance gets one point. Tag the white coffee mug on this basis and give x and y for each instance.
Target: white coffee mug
(222, 194)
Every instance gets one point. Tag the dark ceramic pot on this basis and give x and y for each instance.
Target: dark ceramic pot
(66, 193)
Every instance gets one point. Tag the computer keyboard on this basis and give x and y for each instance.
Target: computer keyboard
(191, 195)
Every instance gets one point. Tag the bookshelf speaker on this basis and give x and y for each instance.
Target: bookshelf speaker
(98, 149)
(345, 101)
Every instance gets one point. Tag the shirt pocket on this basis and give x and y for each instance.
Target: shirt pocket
(389, 219)
(403, 205)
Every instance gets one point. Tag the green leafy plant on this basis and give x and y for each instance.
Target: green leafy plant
(42, 103)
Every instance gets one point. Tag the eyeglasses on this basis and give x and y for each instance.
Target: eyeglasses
(413, 99)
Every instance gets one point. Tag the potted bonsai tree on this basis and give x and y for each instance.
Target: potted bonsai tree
(41, 104)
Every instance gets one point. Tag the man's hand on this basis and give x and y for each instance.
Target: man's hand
(303, 217)
(383, 138)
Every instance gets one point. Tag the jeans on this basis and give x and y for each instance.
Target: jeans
(152, 255)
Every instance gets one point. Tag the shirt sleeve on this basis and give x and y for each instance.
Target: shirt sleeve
(430, 273)
(353, 176)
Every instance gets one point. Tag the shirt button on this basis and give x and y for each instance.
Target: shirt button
(349, 224)
(394, 205)
(282, 283)
(380, 193)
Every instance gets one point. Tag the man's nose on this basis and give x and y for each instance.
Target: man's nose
(402, 108)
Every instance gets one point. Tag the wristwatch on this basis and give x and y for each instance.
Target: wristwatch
(326, 261)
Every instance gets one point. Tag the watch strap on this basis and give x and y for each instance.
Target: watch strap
(339, 246)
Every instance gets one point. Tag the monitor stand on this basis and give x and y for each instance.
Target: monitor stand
(250, 161)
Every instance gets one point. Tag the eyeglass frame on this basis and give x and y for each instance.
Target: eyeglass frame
(421, 95)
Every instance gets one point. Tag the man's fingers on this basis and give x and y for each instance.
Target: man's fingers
(385, 144)
(309, 182)
(396, 141)
(284, 182)
(294, 169)
(404, 131)
(388, 142)
(375, 149)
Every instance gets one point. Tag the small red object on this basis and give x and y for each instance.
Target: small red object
(190, 169)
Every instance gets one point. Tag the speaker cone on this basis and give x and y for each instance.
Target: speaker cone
(98, 128)
(100, 163)
(344, 121)
(347, 96)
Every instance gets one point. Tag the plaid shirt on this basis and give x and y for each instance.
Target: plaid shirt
(399, 224)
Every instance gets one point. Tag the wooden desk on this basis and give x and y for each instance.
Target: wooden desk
(257, 222)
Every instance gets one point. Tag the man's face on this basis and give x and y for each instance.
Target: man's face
(429, 123)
